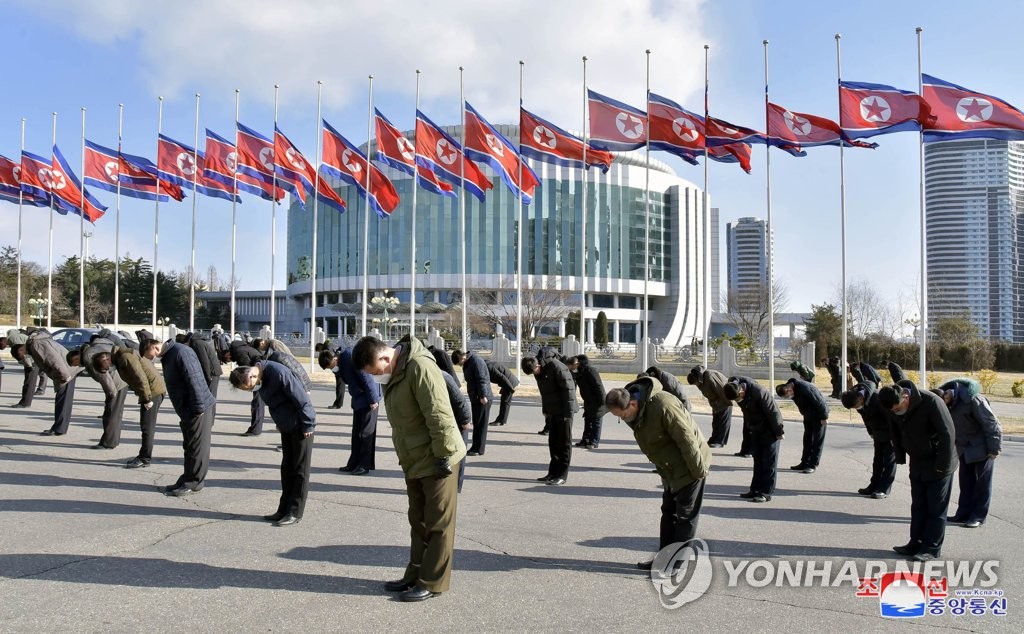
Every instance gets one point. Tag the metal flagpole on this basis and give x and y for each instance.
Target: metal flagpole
(645, 335)
(195, 187)
(462, 215)
(768, 229)
(273, 231)
(415, 168)
(519, 237)
(583, 221)
(234, 218)
(366, 219)
(117, 225)
(49, 275)
(21, 197)
(707, 216)
(842, 217)
(156, 212)
(81, 239)
(316, 191)
(922, 382)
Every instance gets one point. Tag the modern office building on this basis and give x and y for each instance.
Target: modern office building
(615, 274)
(974, 196)
(747, 250)
(716, 261)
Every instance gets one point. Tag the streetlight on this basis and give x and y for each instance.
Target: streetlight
(161, 321)
(38, 306)
(384, 302)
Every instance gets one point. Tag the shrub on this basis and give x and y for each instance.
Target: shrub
(913, 376)
(1017, 388)
(988, 379)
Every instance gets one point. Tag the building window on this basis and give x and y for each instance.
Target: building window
(602, 301)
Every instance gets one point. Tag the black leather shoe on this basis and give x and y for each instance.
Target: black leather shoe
(798, 467)
(358, 471)
(555, 481)
(907, 550)
(865, 491)
(346, 469)
(879, 495)
(287, 520)
(495, 424)
(543, 432)
(582, 443)
(544, 479)
(715, 445)
(748, 495)
(50, 432)
(972, 523)
(592, 446)
(100, 446)
(137, 463)
(179, 491)
(274, 517)
(250, 433)
(417, 593)
(953, 519)
(741, 454)
(760, 498)
(472, 453)
(334, 407)
(19, 405)
(807, 470)
(401, 585)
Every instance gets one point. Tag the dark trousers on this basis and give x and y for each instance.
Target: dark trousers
(195, 434)
(481, 414)
(113, 413)
(592, 426)
(929, 501)
(364, 439)
(721, 423)
(462, 465)
(28, 388)
(746, 446)
(975, 490)
(559, 445)
(766, 462)
(297, 453)
(680, 511)
(214, 385)
(503, 406)
(147, 420)
(63, 398)
(433, 503)
(339, 391)
(883, 467)
(257, 410)
(814, 442)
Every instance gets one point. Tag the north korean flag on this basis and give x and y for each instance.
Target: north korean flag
(10, 185)
(180, 164)
(732, 153)
(721, 132)
(294, 172)
(326, 194)
(543, 141)
(68, 190)
(484, 143)
(343, 160)
(439, 152)
(961, 113)
(867, 110)
(36, 177)
(221, 161)
(806, 130)
(615, 125)
(675, 129)
(106, 169)
(255, 154)
(398, 152)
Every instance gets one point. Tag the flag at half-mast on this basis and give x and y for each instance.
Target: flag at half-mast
(615, 125)
(343, 160)
(720, 132)
(106, 168)
(961, 113)
(10, 185)
(398, 152)
(807, 130)
(68, 191)
(867, 110)
(543, 141)
(298, 175)
(221, 165)
(439, 152)
(255, 153)
(484, 143)
(180, 164)
(674, 129)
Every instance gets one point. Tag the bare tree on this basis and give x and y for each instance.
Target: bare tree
(541, 306)
(866, 311)
(748, 309)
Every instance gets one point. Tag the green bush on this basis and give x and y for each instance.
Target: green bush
(988, 379)
(1017, 388)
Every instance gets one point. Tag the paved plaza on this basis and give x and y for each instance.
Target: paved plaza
(89, 546)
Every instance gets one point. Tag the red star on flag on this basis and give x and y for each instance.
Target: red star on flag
(875, 110)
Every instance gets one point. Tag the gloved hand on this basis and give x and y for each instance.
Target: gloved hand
(442, 468)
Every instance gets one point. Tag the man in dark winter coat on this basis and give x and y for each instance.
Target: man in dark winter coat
(478, 384)
(507, 383)
(864, 398)
(711, 384)
(979, 439)
(802, 370)
(366, 396)
(835, 375)
(923, 429)
(669, 383)
(463, 412)
(896, 373)
(444, 361)
(193, 403)
(245, 355)
(863, 371)
(761, 416)
(591, 388)
(210, 360)
(814, 410)
(558, 404)
(339, 379)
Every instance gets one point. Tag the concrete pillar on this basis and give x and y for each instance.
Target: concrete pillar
(561, 328)
(615, 332)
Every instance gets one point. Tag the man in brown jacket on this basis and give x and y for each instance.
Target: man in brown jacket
(139, 372)
(711, 384)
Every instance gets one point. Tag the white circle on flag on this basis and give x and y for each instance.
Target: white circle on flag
(630, 126)
(350, 165)
(186, 164)
(685, 129)
(496, 146)
(406, 148)
(729, 131)
(16, 172)
(267, 158)
(110, 169)
(445, 151)
(58, 180)
(294, 158)
(875, 109)
(544, 136)
(231, 161)
(797, 124)
(974, 109)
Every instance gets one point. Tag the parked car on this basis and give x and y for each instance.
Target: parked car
(73, 338)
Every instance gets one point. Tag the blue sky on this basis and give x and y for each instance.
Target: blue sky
(66, 55)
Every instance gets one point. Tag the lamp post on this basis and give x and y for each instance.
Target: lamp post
(163, 321)
(386, 303)
(38, 306)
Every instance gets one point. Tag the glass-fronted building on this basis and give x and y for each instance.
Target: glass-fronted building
(554, 243)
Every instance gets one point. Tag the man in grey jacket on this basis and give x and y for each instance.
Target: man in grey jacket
(48, 357)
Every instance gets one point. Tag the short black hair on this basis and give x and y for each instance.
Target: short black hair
(889, 396)
(458, 356)
(73, 357)
(149, 343)
(618, 398)
(731, 390)
(695, 374)
(18, 351)
(98, 358)
(849, 398)
(780, 389)
(528, 365)
(366, 350)
(239, 376)
(653, 371)
(325, 359)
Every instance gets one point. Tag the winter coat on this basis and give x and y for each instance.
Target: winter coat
(978, 432)
(461, 407)
(186, 384)
(244, 354)
(864, 371)
(896, 372)
(557, 387)
(110, 381)
(423, 427)
(876, 418)
(276, 345)
(809, 400)
(286, 398)
(668, 436)
(671, 385)
(805, 372)
(712, 386)
(361, 386)
(290, 362)
(207, 354)
(503, 377)
(444, 361)
(50, 356)
(760, 412)
(139, 373)
(478, 379)
(925, 433)
(591, 387)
